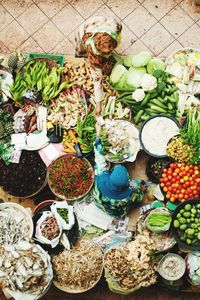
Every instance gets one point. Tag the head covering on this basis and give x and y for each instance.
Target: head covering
(115, 184)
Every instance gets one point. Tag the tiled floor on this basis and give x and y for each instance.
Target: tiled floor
(49, 26)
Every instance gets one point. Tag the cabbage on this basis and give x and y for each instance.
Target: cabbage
(127, 61)
(141, 59)
(155, 64)
(117, 73)
(135, 76)
(122, 83)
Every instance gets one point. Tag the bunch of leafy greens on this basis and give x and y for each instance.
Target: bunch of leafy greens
(190, 133)
(37, 77)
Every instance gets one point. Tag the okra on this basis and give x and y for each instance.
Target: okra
(159, 103)
(171, 99)
(170, 106)
(145, 100)
(138, 116)
(172, 90)
(158, 108)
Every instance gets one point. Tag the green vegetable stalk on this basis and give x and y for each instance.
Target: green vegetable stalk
(191, 132)
(40, 79)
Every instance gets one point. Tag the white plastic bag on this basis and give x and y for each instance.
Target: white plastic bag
(40, 225)
(63, 205)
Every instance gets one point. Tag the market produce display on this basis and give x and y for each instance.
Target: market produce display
(193, 267)
(148, 89)
(25, 270)
(155, 134)
(39, 81)
(122, 141)
(130, 267)
(79, 269)
(15, 224)
(180, 182)
(183, 66)
(144, 113)
(68, 108)
(16, 178)
(172, 267)
(186, 224)
(70, 177)
(162, 239)
(155, 166)
(86, 132)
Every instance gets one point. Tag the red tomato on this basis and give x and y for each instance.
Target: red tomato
(169, 171)
(191, 171)
(162, 184)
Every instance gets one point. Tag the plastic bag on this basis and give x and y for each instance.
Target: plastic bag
(40, 226)
(67, 210)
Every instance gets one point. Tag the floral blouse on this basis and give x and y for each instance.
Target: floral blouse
(114, 207)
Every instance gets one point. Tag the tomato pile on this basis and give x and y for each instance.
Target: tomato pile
(180, 182)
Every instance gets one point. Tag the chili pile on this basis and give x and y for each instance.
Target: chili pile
(70, 176)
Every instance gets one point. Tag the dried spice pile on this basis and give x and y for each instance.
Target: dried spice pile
(26, 177)
(70, 177)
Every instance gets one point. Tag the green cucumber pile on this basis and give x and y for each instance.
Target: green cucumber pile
(187, 222)
(161, 100)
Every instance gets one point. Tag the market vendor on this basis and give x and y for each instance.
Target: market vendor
(98, 37)
(114, 191)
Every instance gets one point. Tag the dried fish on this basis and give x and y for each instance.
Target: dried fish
(14, 226)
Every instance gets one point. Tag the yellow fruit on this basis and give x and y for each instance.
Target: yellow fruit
(116, 114)
(127, 116)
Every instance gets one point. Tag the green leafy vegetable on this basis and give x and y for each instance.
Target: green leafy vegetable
(141, 59)
(190, 133)
(155, 64)
(135, 76)
(40, 79)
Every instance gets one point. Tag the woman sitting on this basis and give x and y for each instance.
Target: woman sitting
(114, 191)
